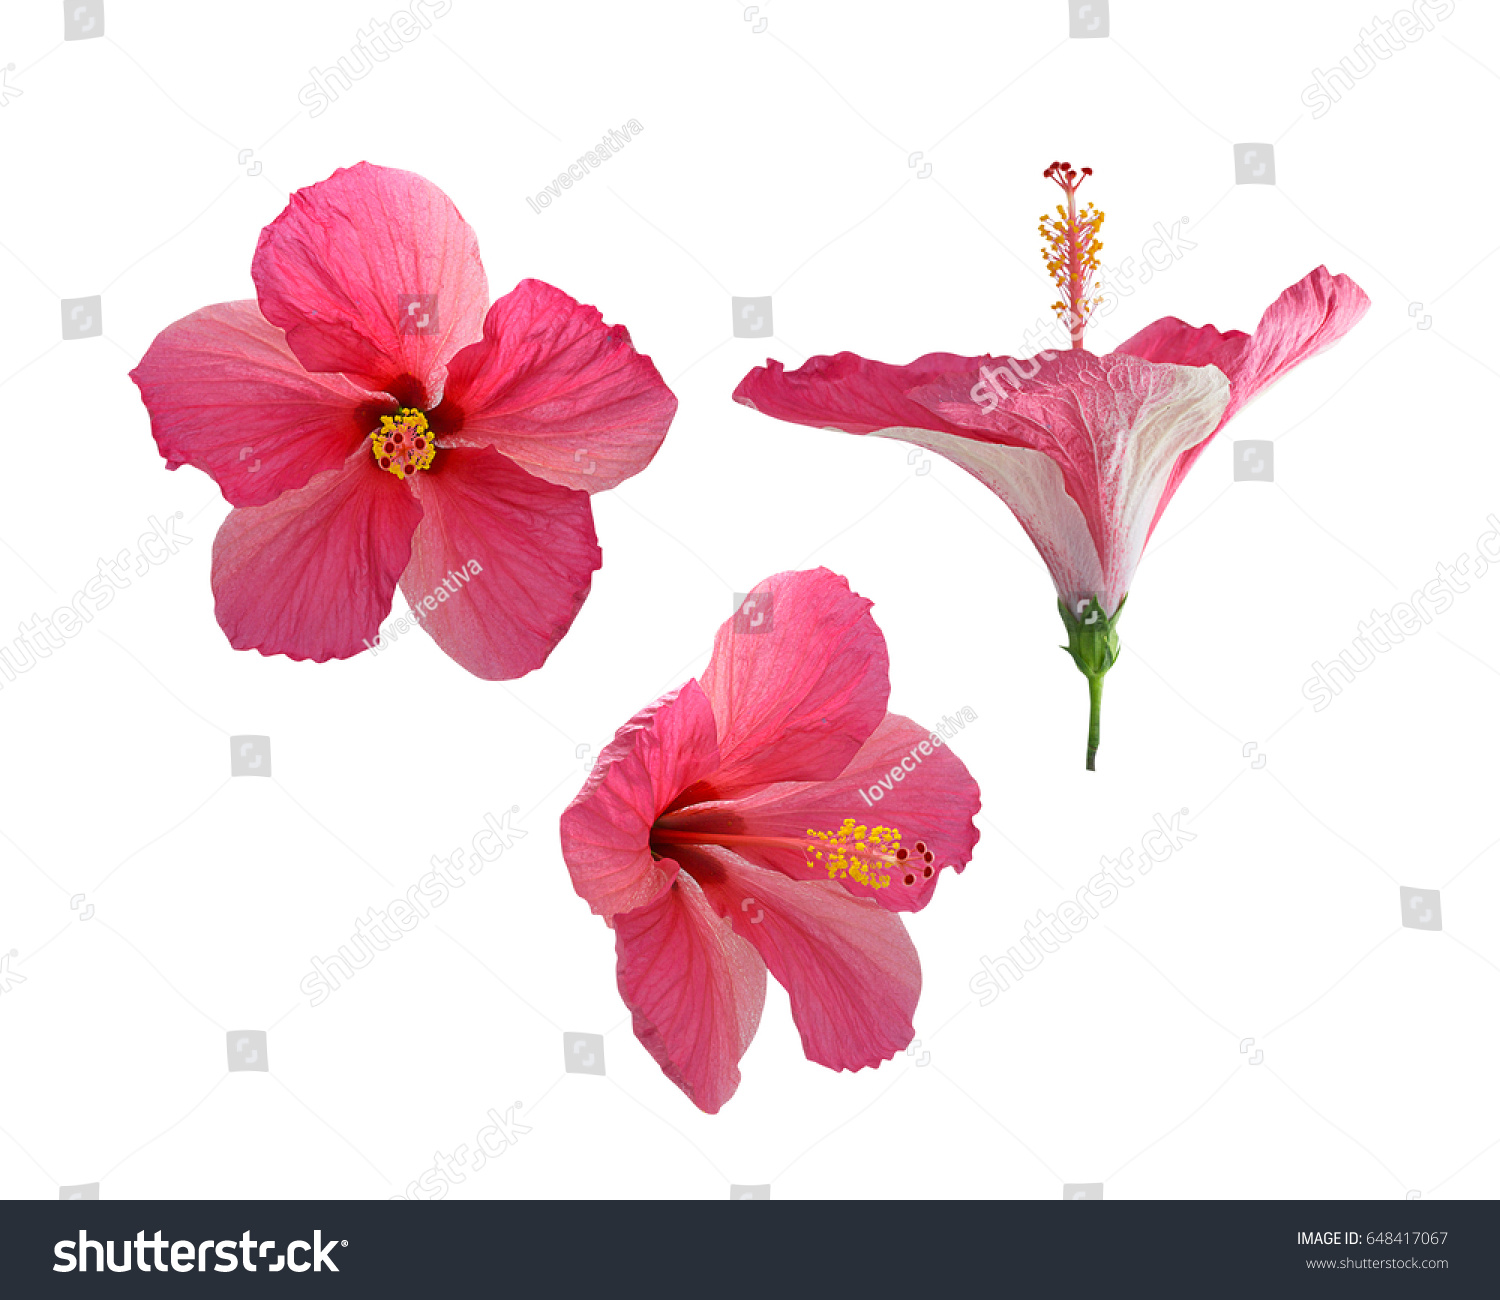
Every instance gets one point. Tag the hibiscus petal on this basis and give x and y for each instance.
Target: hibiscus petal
(694, 988)
(848, 966)
(796, 694)
(851, 394)
(1110, 429)
(227, 396)
(606, 830)
(310, 575)
(1308, 317)
(373, 273)
(1031, 484)
(1176, 343)
(557, 390)
(534, 547)
(933, 804)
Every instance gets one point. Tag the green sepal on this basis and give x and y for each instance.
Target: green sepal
(1092, 639)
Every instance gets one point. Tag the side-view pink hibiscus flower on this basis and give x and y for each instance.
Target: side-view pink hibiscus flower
(373, 424)
(1086, 450)
(725, 832)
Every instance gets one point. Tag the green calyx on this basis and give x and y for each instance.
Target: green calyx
(1094, 645)
(1092, 639)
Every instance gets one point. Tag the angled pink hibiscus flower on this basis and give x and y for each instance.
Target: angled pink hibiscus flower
(1086, 450)
(374, 420)
(723, 832)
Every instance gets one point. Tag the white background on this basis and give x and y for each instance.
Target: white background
(778, 161)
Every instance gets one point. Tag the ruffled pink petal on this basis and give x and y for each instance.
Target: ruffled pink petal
(694, 988)
(372, 273)
(933, 802)
(848, 966)
(848, 393)
(606, 830)
(1081, 452)
(1308, 317)
(310, 575)
(799, 678)
(527, 547)
(1311, 315)
(227, 396)
(1175, 343)
(557, 390)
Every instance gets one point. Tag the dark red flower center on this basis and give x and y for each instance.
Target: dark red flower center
(405, 428)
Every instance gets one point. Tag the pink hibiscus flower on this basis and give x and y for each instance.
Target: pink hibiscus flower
(1086, 450)
(373, 424)
(725, 831)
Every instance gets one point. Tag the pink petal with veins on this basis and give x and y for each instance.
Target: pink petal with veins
(372, 273)
(529, 550)
(561, 393)
(695, 989)
(227, 396)
(310, 575)
(799, 679)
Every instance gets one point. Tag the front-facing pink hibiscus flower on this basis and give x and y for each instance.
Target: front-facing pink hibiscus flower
(373, 423)
(732, 827)
(1086, 450)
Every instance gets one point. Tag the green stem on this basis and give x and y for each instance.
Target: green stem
(1096, 694)
(1094, 646)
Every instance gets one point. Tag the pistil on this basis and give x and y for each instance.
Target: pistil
(1072, 250)
(872, 856)
(403, 444)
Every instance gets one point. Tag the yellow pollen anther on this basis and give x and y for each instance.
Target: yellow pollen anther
(403, 443)
(872, 856)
